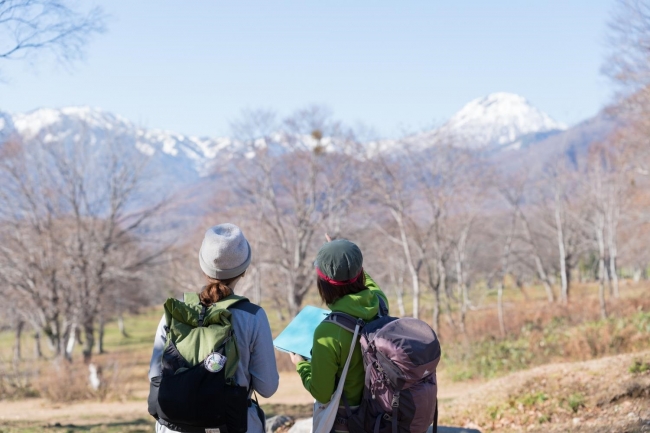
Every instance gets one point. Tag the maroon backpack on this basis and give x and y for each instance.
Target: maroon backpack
(400, 356)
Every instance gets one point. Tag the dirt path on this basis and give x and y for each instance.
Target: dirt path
(40, 410)
(290, 392)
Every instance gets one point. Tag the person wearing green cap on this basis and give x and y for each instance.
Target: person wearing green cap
(345, 287)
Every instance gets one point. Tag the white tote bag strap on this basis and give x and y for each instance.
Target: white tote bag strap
(347, 362)
(325, 414)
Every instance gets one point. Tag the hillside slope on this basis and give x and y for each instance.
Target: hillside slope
(597, 396)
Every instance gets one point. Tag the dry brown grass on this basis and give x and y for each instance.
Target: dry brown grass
(595, 396)
(541, 333)
(62, 381)
(536, 312)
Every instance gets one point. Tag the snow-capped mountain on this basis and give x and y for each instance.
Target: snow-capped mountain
(188, 157)
(497, 120)
(6, 126)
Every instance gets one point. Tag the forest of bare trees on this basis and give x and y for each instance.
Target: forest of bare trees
(85, 238)
(437, 217)
(85, 233)
(73, 250)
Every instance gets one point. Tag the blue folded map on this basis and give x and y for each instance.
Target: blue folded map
(298, 336)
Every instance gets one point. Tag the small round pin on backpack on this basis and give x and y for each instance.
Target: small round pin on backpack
(214, 362)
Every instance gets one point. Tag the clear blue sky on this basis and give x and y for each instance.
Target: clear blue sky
(192, 66)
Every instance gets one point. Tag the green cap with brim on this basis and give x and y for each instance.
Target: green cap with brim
(339, 260)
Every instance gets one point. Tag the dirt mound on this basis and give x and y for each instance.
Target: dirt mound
(604, 395)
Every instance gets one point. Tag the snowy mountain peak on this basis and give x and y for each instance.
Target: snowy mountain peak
(36, 122)
(498, 119)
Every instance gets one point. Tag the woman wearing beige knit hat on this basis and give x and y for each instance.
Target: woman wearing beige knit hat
(224, 256)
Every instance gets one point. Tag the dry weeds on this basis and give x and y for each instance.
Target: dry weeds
(596, 396)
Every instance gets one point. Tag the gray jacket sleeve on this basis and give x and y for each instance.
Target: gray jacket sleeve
(262, 367)
(155, 365)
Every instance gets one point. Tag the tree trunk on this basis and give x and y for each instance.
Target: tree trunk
(637, 275)
(564, 290)
(38, 354)
(436, 312)
(19, 332)
(71, 341)
(442, 272)
(550, 296)
(502, 324)
(601, 295)
(121, 326)
(462, 292)
(601, 291)
(602, 271)
(400, 301)
(416, 293)
(415, 280)
(435, 287)
(291, 302)
(568, 268)
(398, 285)
(100, 336)
(612, 267)
(507, 250)
(89, 343)
(611, 222)
(55, 334)
(258, 286)
(541, 272)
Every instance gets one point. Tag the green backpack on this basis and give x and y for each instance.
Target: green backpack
(197, 389)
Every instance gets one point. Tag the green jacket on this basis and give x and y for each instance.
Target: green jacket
(332, 346)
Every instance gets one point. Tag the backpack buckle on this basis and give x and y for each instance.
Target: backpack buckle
(395, 402)
(202, 315)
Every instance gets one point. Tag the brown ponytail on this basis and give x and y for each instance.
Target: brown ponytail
(216, 290)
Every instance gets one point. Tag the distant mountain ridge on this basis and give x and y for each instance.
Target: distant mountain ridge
(189, 157)
(497, 122)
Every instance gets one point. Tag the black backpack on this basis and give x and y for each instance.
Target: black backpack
(200, 395)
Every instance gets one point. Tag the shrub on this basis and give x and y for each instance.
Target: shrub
(576, 401)
(62, 381)
(639, 367)
(16, 385)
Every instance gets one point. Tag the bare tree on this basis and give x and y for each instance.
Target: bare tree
(72, 216)
(32, 26)
(513, 192)
(391, 185)
(298, 180)
(628, 63)
(452, 195)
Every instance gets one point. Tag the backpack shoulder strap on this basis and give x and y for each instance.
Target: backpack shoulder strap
(349, 322)
(230, 301)
(248, 307)
(344, 320)
(192, 298)
(383, 308)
